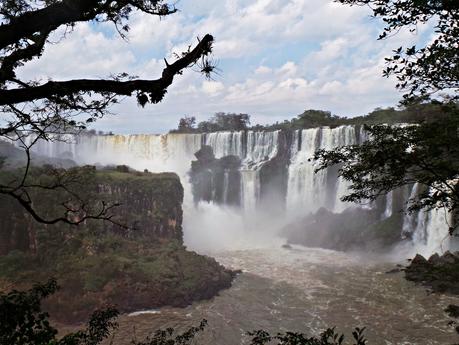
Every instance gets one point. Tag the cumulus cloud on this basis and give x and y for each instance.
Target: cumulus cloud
(278, 57)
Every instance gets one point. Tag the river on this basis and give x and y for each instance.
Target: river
(307, 290)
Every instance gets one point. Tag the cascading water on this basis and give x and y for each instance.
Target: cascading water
(389, 201)
(409, 220)
(305, 190)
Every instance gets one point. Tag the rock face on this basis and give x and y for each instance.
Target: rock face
(149, 204)
(214, 179)
(99, 263)
(439, 273)
(354, 229)
(274, 176)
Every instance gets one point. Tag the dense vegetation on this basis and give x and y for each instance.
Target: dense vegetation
(136, 261)
(218, 122)
(415, 113)
(95, 269)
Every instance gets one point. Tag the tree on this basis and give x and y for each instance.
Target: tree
(187, 124)
(231, 121)
(225, 122)
(427, 153)
(398, 156)
(31, 111)
(421, 71)
(22, 321)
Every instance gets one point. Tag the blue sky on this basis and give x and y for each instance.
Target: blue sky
(277, 58)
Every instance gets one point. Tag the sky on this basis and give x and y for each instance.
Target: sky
(276, 58)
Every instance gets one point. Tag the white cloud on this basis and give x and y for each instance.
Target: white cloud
(263, 70)
(212, 87)
(278, 58)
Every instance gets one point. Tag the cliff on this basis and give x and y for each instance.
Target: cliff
(215, 179)
(99, 263)
(148, 204)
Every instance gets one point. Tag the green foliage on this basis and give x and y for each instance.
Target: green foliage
(168, 336)
(397, 156)
(15, 262)
(94, 267)
(218, 122)
(187, 125)
(328, 337)
(23, 322)
(414, 112)
(21, 319)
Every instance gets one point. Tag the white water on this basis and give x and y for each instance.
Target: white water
(307, 290)
(306, 191)
(389, 201)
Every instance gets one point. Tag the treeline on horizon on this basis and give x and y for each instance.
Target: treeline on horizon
(413, 113)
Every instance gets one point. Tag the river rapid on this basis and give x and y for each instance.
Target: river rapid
(307, 290)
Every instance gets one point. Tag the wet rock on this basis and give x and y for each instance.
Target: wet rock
(205, 154)
(435, 259)
(353, 229)
(286, 246)
(439, 273)
(449, 258)
(217, 180)
(394, 270)
(418, 260)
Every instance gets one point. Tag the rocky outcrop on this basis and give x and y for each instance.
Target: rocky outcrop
(439, 273)
(354, 229)
(274, 176)
(98, 263)
(217, 180)
(147, 204)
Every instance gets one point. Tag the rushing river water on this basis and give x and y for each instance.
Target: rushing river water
(307, 290)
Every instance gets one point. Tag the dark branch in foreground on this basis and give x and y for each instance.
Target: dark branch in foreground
(151, 91)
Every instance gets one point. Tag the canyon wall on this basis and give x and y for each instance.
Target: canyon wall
(149, 205)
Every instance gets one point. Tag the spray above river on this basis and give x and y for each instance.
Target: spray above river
(271, 185)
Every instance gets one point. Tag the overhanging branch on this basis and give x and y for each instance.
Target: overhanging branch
(155, 89)
(67, 12)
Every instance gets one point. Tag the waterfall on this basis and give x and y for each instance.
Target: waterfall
(305, 190)
(409, 219)
(226, 143)
(389, 201)
(308, 191)
(249, 189)
(261, 147)
(431, 233)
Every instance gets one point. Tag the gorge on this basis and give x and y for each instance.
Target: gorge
(249, 193)
(265, 180)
